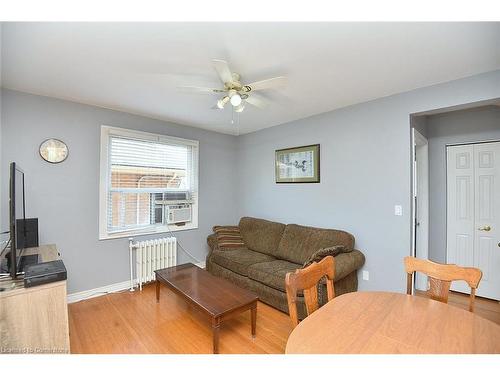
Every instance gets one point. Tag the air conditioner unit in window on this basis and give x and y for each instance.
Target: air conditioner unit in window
(177, 207)
(179, 213)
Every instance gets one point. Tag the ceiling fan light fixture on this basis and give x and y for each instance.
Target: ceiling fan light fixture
(235, 100)
(234, 91)
(222, 102)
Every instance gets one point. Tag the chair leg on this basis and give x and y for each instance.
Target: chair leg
(472, 298)
(409, 283)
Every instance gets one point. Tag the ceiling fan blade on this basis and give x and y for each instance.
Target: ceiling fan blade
(223, 70)
(270, 83)
(257, 100)
(216, 107)
(196, 89)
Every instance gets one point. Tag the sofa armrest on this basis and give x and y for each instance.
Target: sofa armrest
(346, 263)
(212, 244)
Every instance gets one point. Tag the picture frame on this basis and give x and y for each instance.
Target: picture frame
(297, 165)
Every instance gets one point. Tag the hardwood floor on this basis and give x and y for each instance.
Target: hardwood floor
(134, 323)
(486, 308)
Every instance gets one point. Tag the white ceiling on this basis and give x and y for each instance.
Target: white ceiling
(137, 67)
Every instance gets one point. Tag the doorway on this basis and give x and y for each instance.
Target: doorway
(433, 196)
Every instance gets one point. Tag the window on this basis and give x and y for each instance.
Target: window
(149, 183)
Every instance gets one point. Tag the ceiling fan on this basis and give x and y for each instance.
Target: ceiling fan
(235, 92)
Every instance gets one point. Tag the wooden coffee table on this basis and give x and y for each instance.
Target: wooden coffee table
(218, 298)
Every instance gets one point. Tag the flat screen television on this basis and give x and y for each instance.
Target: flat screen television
(17, 215)
(23, 232)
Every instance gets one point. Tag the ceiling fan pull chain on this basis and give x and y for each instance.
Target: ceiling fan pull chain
(238, 124)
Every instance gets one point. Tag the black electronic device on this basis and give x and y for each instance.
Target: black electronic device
(44, 273)
(27, 233)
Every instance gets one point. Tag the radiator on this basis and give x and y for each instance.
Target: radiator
(150, 256)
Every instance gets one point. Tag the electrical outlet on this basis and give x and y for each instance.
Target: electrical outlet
(366, 275)
(398, 210)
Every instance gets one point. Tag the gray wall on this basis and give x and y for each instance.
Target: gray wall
(365, 171)
(65, 196)
(472, 125)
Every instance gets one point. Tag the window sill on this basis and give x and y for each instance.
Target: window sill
(147, 232)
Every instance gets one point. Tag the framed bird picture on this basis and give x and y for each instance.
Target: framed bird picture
(297, 164)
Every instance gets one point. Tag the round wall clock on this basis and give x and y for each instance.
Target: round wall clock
(53, 150)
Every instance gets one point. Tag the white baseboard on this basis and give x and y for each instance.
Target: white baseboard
(86, 294)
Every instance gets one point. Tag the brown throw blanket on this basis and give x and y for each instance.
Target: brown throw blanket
(327, 251)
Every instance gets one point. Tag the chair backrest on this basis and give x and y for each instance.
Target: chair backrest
(441, 276)
(307, 279)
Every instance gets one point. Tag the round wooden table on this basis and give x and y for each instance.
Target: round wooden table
(381, 322)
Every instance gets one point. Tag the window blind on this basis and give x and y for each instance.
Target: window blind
(140, 172)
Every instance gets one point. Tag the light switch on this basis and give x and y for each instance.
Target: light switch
(366, 275)
(398, 210)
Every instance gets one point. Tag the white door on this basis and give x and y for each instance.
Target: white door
(473, 213)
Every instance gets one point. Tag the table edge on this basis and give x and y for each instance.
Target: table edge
(391, 293)
(190, 299)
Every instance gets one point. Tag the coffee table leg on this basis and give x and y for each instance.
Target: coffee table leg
(215, 332)
(253, 311)
(157, 291)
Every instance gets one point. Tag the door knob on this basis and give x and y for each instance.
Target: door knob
(486, 228)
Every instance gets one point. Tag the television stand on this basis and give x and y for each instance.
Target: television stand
(34, 320)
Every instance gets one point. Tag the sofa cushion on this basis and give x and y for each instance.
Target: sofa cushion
(272, 273)
(299, 242)
(238, 260)
(261, 235)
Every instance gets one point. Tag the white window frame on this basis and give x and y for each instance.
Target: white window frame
(106, 133)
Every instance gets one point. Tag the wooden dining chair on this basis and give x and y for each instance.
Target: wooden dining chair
(307, 279)
(441, 276)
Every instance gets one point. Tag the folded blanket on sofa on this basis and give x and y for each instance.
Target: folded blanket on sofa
(228, 237)
(327, 251)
